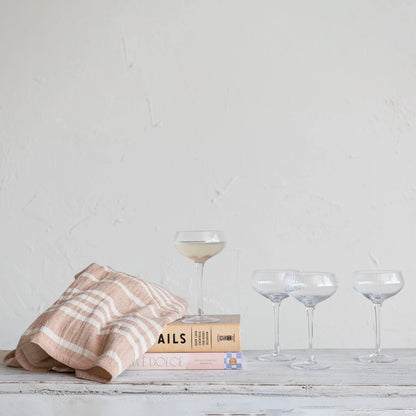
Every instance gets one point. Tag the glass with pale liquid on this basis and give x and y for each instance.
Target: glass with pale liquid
(199, 246)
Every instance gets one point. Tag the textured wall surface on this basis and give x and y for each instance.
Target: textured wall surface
(289, 125)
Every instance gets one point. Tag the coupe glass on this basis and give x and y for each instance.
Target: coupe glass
(199, 246)
(377, 285)
(310, 288)
(269, 283)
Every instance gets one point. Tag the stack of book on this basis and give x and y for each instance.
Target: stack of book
(208, 346)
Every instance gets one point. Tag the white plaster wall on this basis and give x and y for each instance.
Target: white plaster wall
(288, 124)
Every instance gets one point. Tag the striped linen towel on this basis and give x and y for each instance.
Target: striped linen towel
(103, 322)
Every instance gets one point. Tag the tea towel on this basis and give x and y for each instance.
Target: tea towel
(103, 322)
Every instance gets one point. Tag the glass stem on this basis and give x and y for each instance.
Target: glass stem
(200, 276)
(276, 309)
(377, 311)
(309, 311)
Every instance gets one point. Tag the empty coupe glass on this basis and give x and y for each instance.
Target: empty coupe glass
(269, 283)
(377, 285)
(310, 288)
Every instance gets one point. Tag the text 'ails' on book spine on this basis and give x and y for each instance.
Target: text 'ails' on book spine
(189, 361)
(209, 337)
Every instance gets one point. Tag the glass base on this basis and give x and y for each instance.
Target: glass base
(200, 319)
(275, 357)
(377, 358)
(309, 365)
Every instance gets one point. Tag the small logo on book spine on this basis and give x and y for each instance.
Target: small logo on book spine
(232, 361)
(225, 338)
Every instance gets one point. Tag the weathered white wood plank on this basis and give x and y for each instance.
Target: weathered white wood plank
(347, 388)
(346, 377)
(191, 405)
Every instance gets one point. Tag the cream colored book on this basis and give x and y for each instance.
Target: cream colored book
(222, 336)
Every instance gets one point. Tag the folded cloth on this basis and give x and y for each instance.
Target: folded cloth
(102, 323)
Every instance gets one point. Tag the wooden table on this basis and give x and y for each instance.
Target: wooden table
(347, 388)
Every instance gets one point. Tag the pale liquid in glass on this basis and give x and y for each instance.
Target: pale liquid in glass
(199, 251)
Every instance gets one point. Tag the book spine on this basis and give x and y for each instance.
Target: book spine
(216, 337)
(189, 361)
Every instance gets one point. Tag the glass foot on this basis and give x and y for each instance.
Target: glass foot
(200, 319)
(275, 357)
(377, 358)
(309, 365)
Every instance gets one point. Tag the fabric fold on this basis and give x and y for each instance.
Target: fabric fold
(103, 322)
